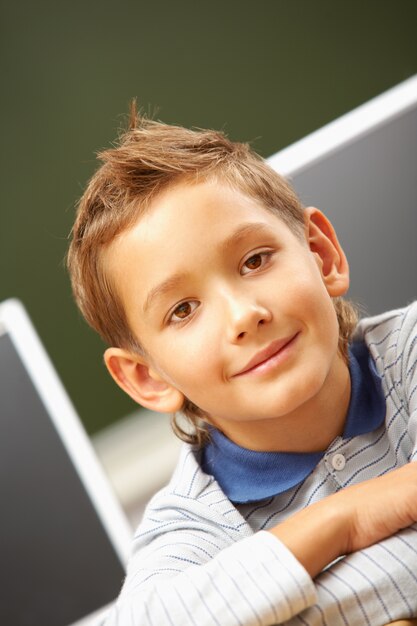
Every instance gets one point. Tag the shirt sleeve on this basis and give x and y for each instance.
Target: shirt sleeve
(176, 581)
(377, 585)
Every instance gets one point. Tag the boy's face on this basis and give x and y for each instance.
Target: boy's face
(233, 309)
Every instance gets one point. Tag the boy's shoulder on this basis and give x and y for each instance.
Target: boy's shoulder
(391, 338)
(377, 329)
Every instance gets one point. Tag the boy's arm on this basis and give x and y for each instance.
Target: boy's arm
(188, 577)
(201, 569)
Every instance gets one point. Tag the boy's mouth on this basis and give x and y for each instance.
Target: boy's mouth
(273, 352)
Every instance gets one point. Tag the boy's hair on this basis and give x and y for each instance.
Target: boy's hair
(148, 158)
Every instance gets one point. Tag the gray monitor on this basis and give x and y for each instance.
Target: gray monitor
(361, 170)
(64, 539)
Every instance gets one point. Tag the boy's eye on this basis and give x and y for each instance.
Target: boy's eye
(183, 310)
(255, 262)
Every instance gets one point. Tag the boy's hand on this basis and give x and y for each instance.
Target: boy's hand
(352, 519)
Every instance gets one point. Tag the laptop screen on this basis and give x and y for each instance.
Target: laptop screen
(58, 563)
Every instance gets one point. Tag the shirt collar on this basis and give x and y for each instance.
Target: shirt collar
(247, 475)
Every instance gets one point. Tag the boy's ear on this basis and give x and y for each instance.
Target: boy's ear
(329, 254)
(141, 381)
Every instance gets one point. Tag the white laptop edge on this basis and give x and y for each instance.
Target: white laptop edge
(15, 321)
(345, 129)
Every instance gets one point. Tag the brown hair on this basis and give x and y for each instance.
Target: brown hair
(148, 158)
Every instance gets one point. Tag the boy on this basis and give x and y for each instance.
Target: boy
(221, 298)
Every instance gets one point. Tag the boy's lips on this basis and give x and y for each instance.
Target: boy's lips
(261, 357)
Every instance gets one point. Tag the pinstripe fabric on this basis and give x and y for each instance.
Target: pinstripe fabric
(199, 559)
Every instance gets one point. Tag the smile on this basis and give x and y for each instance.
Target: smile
(269, 357)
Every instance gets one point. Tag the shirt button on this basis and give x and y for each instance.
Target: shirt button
(338, 462)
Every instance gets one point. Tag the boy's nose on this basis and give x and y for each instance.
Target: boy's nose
(245, 318)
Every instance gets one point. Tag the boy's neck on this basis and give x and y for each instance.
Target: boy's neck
(311, 428)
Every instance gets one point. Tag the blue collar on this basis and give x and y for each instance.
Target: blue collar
(247, 475)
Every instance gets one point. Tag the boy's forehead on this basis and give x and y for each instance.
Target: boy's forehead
(210, 210)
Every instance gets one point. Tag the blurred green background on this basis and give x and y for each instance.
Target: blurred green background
(267, 72)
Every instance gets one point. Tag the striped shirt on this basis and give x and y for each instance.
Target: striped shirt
(199, 559)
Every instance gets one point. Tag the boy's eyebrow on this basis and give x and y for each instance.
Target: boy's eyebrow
(162, 288)
(252, 228)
